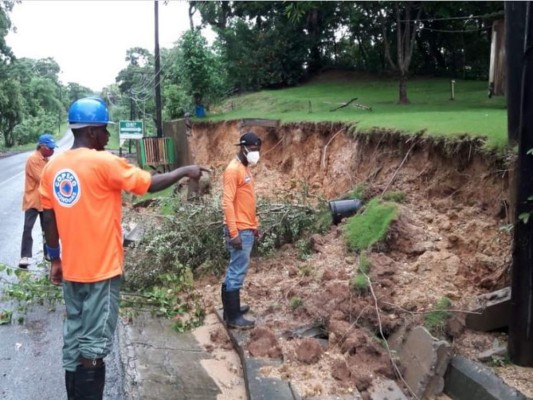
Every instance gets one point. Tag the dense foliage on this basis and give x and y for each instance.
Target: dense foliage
(258, 45)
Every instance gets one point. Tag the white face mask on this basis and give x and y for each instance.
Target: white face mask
(252, 157)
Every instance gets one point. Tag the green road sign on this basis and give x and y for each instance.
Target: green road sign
(130, 129)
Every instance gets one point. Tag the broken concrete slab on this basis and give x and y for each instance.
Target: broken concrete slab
(386, 389)
(467, 380)
(492, 353)
(258, 387)
(494, 311)
(425, 359)
(162, 364)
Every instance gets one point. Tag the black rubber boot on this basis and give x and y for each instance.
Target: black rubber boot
(244, 308)
(89, 383)
(233, 306)
(70, 379)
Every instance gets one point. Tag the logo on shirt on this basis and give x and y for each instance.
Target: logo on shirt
(247, 179)
(67, 189)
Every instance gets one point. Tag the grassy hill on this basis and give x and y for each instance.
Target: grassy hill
(431, 109)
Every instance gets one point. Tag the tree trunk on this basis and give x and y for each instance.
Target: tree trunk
(402, 90)
(192, 10)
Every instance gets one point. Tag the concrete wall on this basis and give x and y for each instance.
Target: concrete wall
(177, 130)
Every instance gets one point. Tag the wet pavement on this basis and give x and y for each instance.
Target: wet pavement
(162, 364)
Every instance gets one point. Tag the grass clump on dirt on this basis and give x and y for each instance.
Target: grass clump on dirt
(435, 321)
(295, 302)
(371, 226)
(359, 282)
(396, 197)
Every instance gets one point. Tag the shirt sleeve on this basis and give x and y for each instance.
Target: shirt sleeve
(125, 176)
(45, 189)
(230, 180)
(34, 169)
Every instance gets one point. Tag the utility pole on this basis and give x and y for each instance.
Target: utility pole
(520, 344)
(158, 118)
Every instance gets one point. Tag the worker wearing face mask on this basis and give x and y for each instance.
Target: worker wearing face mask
(241, 227)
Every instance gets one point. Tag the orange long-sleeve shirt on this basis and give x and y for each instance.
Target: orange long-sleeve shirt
(33, 171)
(238, 201)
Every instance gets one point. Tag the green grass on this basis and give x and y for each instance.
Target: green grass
(364, 264)
(435, 321)
(431, 109)
(364, 230)
(397, 197)
(359, 284)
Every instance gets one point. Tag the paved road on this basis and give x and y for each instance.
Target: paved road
(30, 354)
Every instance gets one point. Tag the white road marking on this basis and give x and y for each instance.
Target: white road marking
(10, 179)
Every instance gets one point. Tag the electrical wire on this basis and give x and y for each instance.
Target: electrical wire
(496, 14)
(455, 31)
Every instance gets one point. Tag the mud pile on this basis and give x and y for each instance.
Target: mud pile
(447, 241)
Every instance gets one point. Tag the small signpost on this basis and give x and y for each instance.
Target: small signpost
(128, 130)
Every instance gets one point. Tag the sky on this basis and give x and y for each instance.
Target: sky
(89, 38)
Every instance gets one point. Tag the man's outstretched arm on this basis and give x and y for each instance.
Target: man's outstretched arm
(162, 181)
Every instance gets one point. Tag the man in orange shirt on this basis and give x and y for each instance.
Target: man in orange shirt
(31, 202)
(81, 197)
(241, 227)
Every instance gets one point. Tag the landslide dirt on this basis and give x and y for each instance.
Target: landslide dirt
(447, 241)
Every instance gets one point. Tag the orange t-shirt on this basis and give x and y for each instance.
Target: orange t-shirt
(238, 201)
(83, 187)
(33, 170)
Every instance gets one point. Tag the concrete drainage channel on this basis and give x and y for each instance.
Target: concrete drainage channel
(430, 370)
(469, 380)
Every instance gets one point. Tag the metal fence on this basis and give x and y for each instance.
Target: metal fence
(155, 152)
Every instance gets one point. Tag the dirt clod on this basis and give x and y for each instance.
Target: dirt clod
(263, 343)
(309, 351)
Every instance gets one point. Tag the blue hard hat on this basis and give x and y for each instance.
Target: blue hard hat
(88, 111)
(47, 140)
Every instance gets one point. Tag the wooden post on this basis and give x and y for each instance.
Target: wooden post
(452, 89)
(514, 48)
(520, 344)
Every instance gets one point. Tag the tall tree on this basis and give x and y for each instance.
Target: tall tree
(11, 109)
(406, 27)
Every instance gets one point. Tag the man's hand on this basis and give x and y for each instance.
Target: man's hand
(257, 234)
(56, 272)
(236, 242)
(195, 171)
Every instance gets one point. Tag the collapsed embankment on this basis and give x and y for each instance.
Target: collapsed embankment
(447, 241)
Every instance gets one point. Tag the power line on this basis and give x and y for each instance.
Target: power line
(456, 31)
(496, 14)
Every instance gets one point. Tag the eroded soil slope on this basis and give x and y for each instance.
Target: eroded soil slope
(447, 241)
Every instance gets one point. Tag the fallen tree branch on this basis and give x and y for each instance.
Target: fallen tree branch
(344, 105)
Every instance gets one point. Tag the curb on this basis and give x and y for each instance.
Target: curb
(467, 380)
(257, 386)
(158, 363)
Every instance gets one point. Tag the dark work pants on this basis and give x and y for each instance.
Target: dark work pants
(30, 215)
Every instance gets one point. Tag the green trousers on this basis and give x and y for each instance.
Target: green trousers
(92, 313)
